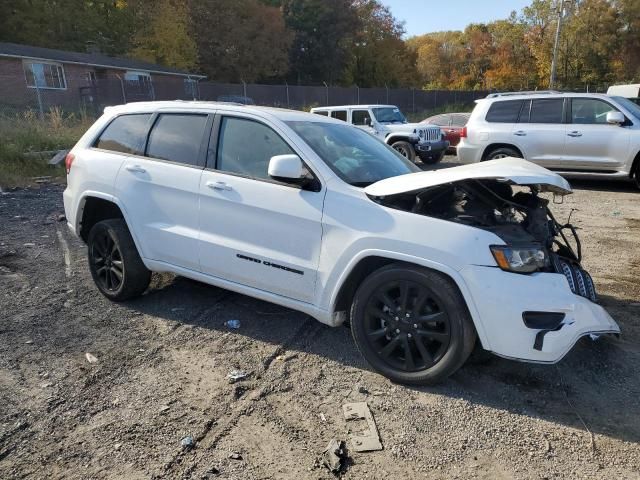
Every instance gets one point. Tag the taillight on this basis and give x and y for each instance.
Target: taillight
(68, 160)
(463, 132)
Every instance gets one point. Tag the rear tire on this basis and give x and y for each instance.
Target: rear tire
(405, 149)
(114, 262)
(411, 324)
(636, 176)
(502, 152)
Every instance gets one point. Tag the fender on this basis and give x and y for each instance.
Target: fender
(110, 198)
(404, 136)
(423, 262)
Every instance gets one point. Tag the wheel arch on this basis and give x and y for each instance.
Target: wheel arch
(368, 262)
(397, 137)
(493, 146)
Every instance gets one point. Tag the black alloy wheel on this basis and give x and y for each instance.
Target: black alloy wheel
(407, 326)
(114, 262)
(106, 259)
(412, 324)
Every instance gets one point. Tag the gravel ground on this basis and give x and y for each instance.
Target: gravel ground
(162, 363)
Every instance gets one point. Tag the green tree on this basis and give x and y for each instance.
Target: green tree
(240, 39)
(165, 35)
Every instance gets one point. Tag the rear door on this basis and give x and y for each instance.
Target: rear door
(592, 143)
(253, 230)
(159, 187)
(541, 131)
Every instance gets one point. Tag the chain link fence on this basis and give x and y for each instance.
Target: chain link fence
(90, 96)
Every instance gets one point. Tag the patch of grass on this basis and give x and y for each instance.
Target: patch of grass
(24, 134)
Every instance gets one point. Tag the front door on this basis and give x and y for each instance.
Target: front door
(160, 188)
(592, 143)
(255, 231)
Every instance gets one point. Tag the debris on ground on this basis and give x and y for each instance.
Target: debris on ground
(334, 455)
(187, 442)
(163, 409)
(235, 324)
(237, 375)
(367, 439)
(323, 418)
(90, 358)
(61, 217)
(235, 456)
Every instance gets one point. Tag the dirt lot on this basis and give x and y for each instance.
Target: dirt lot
(162, 363)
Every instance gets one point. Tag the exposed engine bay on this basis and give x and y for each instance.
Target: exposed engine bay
(518, 216)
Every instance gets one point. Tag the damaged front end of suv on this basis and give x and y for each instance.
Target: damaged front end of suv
(537, 300)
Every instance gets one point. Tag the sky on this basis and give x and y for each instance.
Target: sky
(424, 16)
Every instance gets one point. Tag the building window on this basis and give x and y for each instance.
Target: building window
(44, 75)
(139, 86)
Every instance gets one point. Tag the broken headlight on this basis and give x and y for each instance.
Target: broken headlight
(525, 259)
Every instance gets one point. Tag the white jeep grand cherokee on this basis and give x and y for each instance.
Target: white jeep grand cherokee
(319, 216)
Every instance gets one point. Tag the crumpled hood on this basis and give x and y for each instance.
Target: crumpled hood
(512, 170)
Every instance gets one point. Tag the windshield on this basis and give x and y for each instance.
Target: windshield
(355, 156)
(389, 115)
(629, 105)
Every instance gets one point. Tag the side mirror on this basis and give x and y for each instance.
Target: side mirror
(615, 118)
(287, 168)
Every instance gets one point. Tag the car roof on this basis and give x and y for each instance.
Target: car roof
(282, 114)
(356, 106)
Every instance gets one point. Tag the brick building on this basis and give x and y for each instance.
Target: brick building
(36, 76)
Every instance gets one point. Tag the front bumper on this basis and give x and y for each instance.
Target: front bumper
(431, 148)
(500, 299)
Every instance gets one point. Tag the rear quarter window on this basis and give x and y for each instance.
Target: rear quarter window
(504, 112)
(125, 134)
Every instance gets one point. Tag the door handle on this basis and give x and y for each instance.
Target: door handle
(520, 133)
(135, 168)
(219, 186)
(575, 133)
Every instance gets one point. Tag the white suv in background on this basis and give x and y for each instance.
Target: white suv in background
(574, 134)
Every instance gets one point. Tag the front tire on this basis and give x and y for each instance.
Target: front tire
(411, 324)
(114, 262)
(636, 176)
(405, 149)
(502, 152)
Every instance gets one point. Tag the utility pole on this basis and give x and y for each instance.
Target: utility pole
(554, 59)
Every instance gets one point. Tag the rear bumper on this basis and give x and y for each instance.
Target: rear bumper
(502, 298)
(468, 153)
(69, 210)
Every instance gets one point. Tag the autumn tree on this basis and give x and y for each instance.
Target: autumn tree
(240, 39)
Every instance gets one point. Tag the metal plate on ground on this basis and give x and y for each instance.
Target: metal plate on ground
(362, 440)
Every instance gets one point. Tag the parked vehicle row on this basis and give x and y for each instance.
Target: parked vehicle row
(312, 213)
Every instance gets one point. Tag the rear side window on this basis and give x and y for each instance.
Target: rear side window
(459, 120)
(177, 138)
(504, 112)
(125, 134)
(360, 117)
(340, 115)
(546, 110)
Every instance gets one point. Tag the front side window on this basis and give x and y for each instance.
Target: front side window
(504, 112)
(339, 115)
(246, 146)
(125, 134)
(360, 117)
(177, 138)
(354, 155)
(45, 75)
(546, 110)
(590, 111)
(389, 115)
